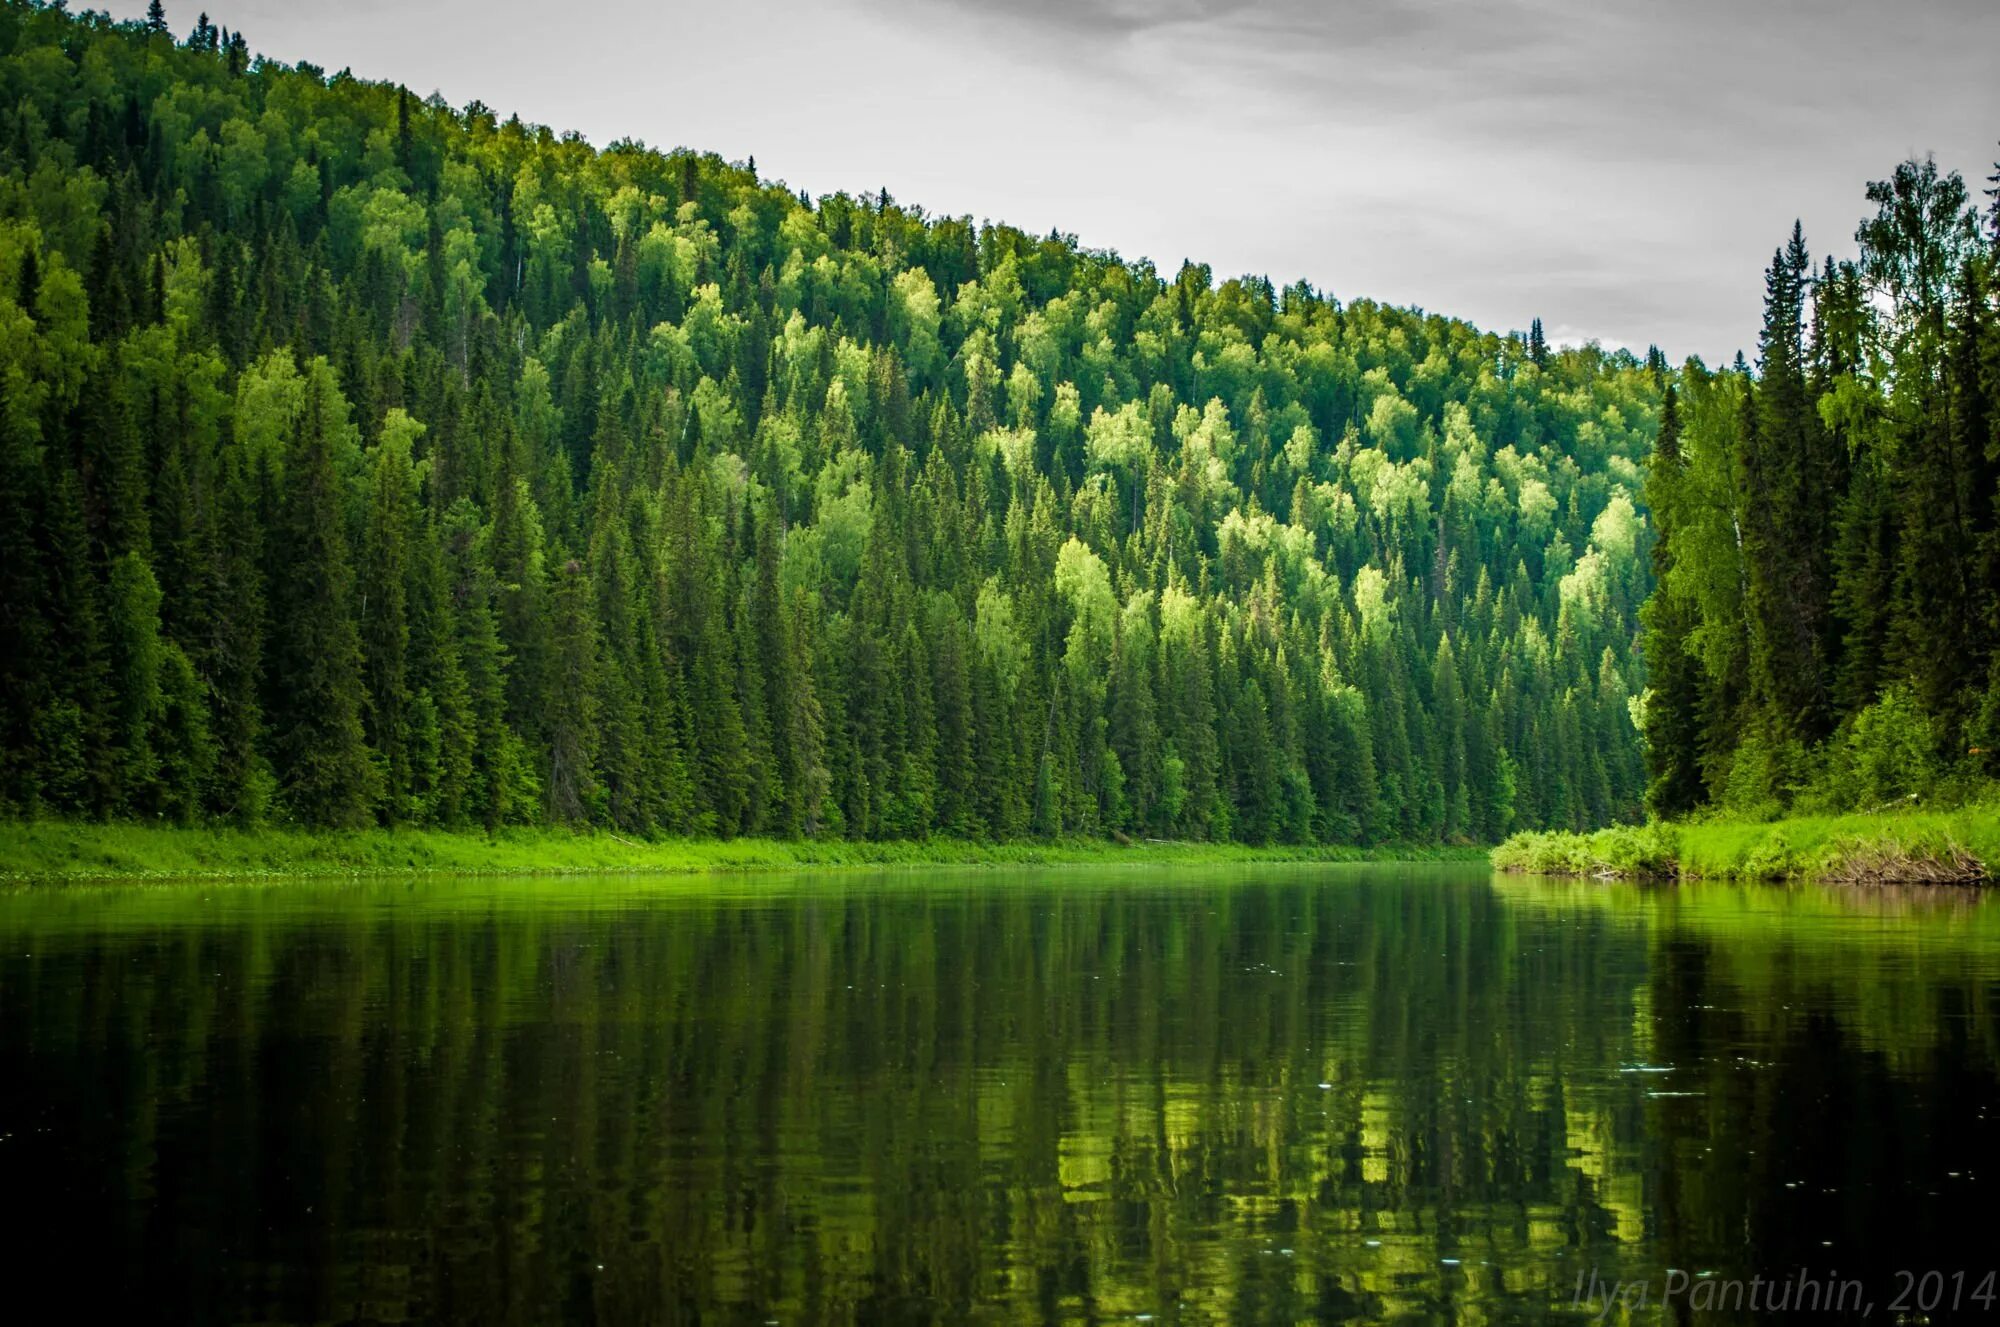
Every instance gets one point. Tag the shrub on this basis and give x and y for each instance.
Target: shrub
(1623, 851)
(1884, 755)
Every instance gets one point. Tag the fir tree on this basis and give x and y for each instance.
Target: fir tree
(1673, 700)
(324, 769)
(724, 526)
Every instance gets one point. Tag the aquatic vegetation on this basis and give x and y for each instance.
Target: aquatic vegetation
(1946, 847)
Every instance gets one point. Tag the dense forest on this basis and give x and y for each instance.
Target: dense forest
(369, 461)
(1826, 631)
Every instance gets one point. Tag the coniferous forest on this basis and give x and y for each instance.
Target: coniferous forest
(369, 461)
(1824, 632)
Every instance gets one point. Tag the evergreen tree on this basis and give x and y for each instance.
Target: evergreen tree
(324, 768)
(1673, 700)
(384, 586)
(736, 512)
(574, 795)
(133, 600)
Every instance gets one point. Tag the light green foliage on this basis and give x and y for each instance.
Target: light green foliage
(1000, 644)
(268, 397)
(913, 323)
(843, 505)
(1372, 603)
(485, 477)
(1392, 423)
(52, 850)
(1957, 847)
(1121, 440)
(1624, 852)
(1085, 586)
(1887, 755)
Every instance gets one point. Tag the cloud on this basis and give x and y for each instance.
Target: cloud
(1070, 16)
(1618, 168)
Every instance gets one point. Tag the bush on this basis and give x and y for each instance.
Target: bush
(1764, 775)
(1883, 756)
(1623, 851)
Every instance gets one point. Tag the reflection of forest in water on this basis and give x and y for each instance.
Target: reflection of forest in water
(1259, 1095)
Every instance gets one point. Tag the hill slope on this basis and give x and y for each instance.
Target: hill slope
(367, 461)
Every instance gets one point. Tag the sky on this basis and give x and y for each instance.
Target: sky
(1622, 171)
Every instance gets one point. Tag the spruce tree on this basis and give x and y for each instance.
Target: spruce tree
(384, 591)
(817, 473)
(1673, 700)
(326, 775)
(133, 628)
(574, 794)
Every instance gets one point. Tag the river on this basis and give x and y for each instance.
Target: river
(1193, 1094)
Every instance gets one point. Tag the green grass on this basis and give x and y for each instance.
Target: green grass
(56, 850)
(1911, 847)
(1623, 851)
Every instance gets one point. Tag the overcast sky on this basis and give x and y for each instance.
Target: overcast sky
(1621, 170)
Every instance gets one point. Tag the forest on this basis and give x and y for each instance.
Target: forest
(1823, 635)
(373, 462)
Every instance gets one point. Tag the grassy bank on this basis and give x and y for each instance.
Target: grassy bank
(58, 850)
(1937, 847)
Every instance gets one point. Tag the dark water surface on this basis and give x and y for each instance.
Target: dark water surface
(1385, 1093)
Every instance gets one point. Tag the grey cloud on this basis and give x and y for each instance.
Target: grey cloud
(1070, 16)
(1616, 169)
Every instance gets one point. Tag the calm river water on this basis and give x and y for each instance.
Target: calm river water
(1389, 1093)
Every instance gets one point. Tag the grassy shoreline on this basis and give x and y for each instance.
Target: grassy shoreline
(1923, 847)
(59, 850)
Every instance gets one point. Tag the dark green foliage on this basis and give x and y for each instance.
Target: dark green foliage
(366, 461)
(1673, 710)
(1829, 556)
(327, 773)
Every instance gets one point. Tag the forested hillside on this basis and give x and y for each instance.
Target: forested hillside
(365, 460)
(1825, 631)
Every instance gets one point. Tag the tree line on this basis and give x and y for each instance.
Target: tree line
(1824, 631)
(367, 461)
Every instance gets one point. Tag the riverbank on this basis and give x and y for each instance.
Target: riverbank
(1936, 847)
(42, 850)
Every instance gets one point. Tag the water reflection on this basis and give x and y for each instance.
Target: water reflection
(1386, 1093)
